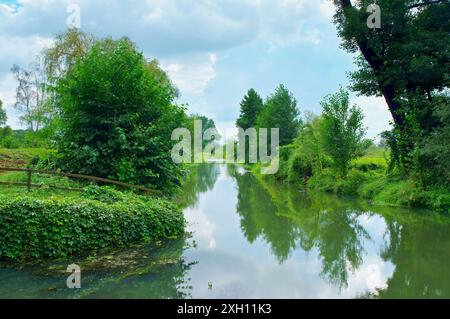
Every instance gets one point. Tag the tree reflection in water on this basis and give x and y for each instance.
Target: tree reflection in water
(200, 179)
(287, 220)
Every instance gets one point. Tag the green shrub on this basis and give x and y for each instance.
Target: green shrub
(58, 227)
(117, 122)
(299, 168)
(104, 194)
(350, 184)
(323, 181)
(285, 154)
(409, 193)
(328, 181)
(370, 189)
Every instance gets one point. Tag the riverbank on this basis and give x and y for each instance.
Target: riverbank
(39, 227)
(367, 179)
(45, 222)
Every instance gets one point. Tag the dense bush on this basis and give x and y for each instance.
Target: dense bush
(117, 116)
(58, 227)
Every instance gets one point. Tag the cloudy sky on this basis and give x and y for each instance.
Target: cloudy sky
(214, 50)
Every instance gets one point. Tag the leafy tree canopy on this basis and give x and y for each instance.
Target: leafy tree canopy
(280, 111)
(251, 106)
(342, 131)
(117, 117)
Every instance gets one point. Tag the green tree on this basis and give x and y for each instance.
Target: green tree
(407, 61)
(280, 111)
(207, 123)
(308, 156)
(3, 116)
(68, 47)
(342, 130)
(117, 117)
(251, 106)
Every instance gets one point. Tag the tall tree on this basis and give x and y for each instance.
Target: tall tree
(280, 111)
(3, 116)
(342, 131)
(32, 95)
(251, 106)
(407, 60)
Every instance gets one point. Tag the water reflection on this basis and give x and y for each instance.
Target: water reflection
(416, 246)
(200, 179)
(297, 221)
(255, 239)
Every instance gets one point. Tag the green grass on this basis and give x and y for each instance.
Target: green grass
(47, 183)
(21, 157)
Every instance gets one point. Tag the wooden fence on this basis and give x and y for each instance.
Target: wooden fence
(95, 179)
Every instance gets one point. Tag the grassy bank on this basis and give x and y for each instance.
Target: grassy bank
(21, 157)
(367, 178)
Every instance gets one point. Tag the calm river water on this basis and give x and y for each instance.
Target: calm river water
(251, 240)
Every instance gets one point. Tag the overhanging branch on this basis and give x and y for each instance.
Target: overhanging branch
(426, 3)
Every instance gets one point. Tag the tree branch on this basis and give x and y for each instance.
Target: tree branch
(426, 3)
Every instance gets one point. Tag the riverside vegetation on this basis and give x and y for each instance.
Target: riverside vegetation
(328, 152)
(86, 115)
(97, 106)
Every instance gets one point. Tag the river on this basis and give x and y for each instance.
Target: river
(262, 240)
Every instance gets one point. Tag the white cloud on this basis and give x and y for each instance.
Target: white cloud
(191, 73)
(288, 22)
(377, 117)
(8, 97)
(173, 27)
(327, 9)
(20, 50)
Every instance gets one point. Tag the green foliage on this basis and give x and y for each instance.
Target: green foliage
(251, 106)
(381, 189)
(280, 111)
(366, 164)
(59, 227)
(107, 194)
(207, 124)
(409, 193)
(406, 61)
(342, 131)
(434, 153)
(68, 48)
(117, 121)
(328, 181)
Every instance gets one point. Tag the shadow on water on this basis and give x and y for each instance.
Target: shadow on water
(252, 239)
